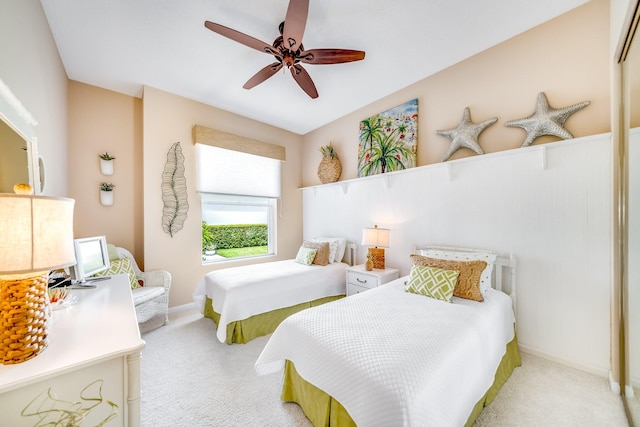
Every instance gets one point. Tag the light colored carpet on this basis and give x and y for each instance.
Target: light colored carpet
(545, 393)
(191, 379)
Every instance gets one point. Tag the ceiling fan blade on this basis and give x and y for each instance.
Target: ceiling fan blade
(240, 37)
(303, 78)
(263, 75)
(294, 23)
(330, 56)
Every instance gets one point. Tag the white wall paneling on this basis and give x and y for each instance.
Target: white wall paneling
(549, 205)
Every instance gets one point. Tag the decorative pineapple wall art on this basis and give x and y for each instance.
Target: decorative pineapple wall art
(330, 168)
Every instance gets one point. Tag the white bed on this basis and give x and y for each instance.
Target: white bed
(239, 293)
(391, 357)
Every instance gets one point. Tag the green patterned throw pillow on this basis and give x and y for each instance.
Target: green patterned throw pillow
(432, 282)
(306, 255)
(122, 266)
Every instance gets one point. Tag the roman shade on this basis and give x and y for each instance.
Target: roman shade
(232, 164)
(230, 141)
(223, 171)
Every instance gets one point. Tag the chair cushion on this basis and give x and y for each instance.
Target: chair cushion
(122, 266)
(146, 293)
(113, 252)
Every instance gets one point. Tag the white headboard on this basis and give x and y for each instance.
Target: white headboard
(351, 250)
(504, 273)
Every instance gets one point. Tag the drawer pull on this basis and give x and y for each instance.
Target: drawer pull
(361, 281)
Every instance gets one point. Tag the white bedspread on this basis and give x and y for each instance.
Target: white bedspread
(395, 358)
(241, 292)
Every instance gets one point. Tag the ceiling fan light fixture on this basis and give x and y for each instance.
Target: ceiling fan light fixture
(291, 30)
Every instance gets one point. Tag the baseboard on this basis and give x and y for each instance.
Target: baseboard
(614, 385)
(604, 373)
(628, 391)
(183, 307)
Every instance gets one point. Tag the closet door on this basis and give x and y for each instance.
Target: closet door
(631, 286)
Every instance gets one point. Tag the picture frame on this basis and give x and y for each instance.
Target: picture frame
(389, 141)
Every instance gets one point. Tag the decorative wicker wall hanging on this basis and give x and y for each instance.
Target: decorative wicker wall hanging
(174, 192)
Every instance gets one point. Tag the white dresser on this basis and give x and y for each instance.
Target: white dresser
(90, 368)
(360, 280)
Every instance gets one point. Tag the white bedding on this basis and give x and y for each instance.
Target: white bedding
(241, 292)
(395, 358)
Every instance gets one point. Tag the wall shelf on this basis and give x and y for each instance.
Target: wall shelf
(539, 152)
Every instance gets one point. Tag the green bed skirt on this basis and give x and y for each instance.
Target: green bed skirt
(323, 410)
(243, 331)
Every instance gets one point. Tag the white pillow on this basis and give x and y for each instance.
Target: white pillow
(488, 257)
(342, 247)
(337, 247)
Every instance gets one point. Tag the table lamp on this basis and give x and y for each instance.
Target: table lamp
(378, 238)
(36, 236)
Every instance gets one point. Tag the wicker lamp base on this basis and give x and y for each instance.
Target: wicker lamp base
(377, 256)
(24, 315)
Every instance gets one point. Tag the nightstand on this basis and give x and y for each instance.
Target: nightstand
(360, 280)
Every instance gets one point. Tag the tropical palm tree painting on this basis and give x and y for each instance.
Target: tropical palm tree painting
(389, 140)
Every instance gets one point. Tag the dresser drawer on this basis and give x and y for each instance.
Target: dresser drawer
(360, 279)
(355, 289)
(363, 280)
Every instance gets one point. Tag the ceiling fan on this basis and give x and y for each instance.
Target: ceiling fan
(288, 50)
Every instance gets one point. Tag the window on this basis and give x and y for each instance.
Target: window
(239, 193)
(237, 226)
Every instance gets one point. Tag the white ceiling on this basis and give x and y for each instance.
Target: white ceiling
(122, 45)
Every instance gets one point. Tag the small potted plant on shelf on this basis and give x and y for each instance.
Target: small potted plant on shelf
(106, 163)
(210, 249)
(106, 193)
(329, 169)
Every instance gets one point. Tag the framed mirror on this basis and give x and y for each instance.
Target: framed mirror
(19, 161)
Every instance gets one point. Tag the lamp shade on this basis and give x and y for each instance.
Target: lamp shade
(378, 237)
(36, 233)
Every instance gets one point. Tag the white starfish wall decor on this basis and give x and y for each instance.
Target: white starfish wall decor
(465, 135)
(546, 120)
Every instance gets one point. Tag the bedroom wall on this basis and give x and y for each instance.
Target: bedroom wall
(550, 206)
(170, 118)
(549, 228)
(567, 58)
(103, 120)
(30, 66)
